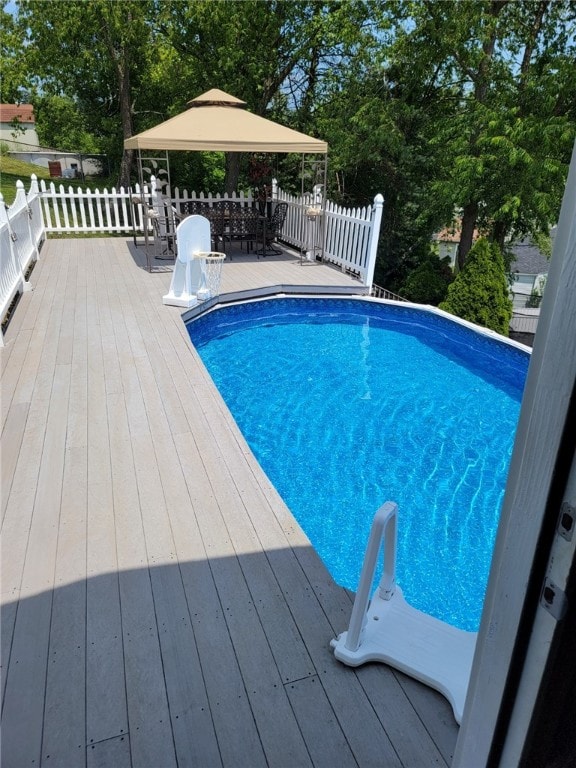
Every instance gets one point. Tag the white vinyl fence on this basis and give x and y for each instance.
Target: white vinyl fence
(110, 211)
(347, 237)
(86, 210)
(343, 236)
(21, 235)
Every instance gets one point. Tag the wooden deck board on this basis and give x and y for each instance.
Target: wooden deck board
(327, 744)
(64, 716)
(105, 709)
(160, 605)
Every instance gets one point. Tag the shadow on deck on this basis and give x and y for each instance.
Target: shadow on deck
(219, 661)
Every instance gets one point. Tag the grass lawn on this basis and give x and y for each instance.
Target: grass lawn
(12, 170)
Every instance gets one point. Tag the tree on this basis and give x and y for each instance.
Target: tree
(273, 55)
(96, 53)
(61, 124)
(508, 138)
(11, 56)
(469, 114)
(480, 291)
(379, 119)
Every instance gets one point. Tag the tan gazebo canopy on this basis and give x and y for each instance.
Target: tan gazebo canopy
(218, 122)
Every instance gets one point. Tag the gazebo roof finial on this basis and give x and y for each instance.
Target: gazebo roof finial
(216, 97)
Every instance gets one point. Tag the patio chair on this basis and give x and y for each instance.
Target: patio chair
(194, 208)
(215, 215)
(271, 228)
(235, 222)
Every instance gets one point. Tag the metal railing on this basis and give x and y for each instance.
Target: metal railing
(383, 293)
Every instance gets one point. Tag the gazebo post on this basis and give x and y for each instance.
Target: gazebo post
(324, 160)
(153, 171)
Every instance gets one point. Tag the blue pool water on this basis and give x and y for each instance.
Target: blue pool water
(347, 404)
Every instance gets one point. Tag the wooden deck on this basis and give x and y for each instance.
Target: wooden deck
(160, 605)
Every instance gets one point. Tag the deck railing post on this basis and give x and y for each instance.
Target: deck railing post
(374, 235)
(34, 213)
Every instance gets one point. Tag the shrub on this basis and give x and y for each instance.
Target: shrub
(480, 291)
(428, 283)
(534, 300)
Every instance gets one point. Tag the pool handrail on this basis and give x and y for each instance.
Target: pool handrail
(383, 526)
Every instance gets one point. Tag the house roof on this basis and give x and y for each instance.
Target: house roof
(24, 113)
(452, 234)
(528, 259)
(218, 122)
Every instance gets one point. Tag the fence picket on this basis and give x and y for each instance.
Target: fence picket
(47, 214)
(124, 220)
(98, 202)
(55, 206)
(89, 198)
(106, 199)
(114, 212)
(64, 202)
(73, 199)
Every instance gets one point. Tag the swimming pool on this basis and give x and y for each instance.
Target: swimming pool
(347, 403)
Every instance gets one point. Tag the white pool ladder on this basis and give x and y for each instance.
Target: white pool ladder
(389, 630)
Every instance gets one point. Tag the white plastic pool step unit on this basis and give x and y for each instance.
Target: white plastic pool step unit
(196, 275)
(389, 630)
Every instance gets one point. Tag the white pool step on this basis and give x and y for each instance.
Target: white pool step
(389, 630)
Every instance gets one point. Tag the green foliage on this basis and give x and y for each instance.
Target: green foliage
(440, 111)
(61, 124)
(11, 59)
(543, 242)
(470, 111)
(534, 300)
(508, 134)
(97, 54)
(480, 292)
(428, 283)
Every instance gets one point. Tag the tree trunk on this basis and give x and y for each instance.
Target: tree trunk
(232, 166)
(127, 127)
(469, 216)
(499, 234)
(535, 28)
(481, 85)
(119, 52)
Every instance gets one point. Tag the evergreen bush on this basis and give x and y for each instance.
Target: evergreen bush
(480, 291)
